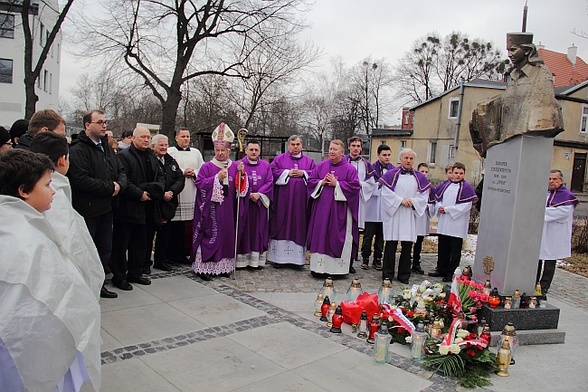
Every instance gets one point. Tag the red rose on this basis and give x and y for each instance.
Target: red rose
(401, 330)
(471, 353)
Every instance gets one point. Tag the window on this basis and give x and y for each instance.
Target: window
(41, 35)
(402, 144)
(584, 119)
(6, 26)
(382, 142)
(45, 80)
(6, 71)
(432, 152)
(451, 151)
(453, 107)
(50, 83)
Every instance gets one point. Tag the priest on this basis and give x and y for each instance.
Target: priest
(219, 182)
(557, 229)
(334, 190)
(405, 194)
(289, 214)
(254, 209)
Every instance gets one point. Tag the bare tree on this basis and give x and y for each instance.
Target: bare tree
(461, 59)
(370, 79)
(415, 69)
(273, 66)
(434, 65)
(33, 65)
(168, 43)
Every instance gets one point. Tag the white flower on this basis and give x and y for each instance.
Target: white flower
(408, 339)
(454, 348)
(462, 333)
(443, 350)
(458, 340)
(442, 295)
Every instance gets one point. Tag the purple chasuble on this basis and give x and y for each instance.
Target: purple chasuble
(253, 215)
(390, 179)
(214, 222)
(562, 196)
(328, 218)
(289, 211)
(465, 194)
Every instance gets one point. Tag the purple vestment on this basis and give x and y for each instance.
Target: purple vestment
(253, 215)
(214, 223)
(561, 196)
(465, 194)
(390, 179)
(328, 218)
(289, 214)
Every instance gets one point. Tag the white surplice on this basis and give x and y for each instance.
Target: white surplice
(557, 233)
(186, 198)
(400, 221)
(456, 220)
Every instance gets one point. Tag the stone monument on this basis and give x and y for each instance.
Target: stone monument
(515, 131)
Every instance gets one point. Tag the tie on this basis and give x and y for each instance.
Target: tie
(99, 144)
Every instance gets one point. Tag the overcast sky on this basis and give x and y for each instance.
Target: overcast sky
(355, 29)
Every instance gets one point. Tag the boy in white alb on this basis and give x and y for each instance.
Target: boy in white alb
(454, 199)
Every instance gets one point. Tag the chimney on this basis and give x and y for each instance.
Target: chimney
(572, 52)
(540, 46)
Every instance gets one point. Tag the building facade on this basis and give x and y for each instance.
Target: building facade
(42, 18)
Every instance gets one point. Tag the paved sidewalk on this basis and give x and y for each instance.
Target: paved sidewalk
(258, 333)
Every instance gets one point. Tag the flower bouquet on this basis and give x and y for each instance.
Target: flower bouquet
(462, 354)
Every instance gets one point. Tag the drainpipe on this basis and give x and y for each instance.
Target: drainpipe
(459, 110)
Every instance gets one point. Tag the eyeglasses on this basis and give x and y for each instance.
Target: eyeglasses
(99, 122)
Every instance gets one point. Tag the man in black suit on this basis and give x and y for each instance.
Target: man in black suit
(138, 205)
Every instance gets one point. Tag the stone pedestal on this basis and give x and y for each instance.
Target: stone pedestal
(513, 209)
(522, 319)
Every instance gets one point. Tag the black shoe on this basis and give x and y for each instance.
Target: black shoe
(378, 264)
(351, 269)
(105, 293)
(146, 271)
(162, 266)
(140, 280)
(436, 274)
(417, 270)
(122, 284)
(405, 281)
(447, 279)
(206, 277)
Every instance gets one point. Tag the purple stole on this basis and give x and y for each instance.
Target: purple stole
(561, 196)
(465, 194)
(390, 179)
(379, 168)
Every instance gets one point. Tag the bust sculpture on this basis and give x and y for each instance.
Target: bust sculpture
(528, 105)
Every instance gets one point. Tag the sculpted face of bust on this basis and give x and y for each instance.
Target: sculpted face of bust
(518, 55)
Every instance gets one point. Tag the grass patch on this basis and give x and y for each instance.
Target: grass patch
(578, 264)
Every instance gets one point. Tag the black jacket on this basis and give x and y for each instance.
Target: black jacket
(131, 209)
(25, 141)
(174, 181)
(92, 174)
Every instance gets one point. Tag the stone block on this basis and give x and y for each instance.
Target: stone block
(523, 319)
(535, 337)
